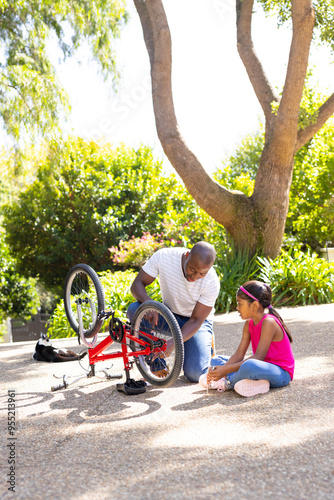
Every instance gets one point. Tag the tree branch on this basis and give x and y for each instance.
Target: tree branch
(321, 116)
(147, 27)
(253, 66)
(216, 200)
(288, 112)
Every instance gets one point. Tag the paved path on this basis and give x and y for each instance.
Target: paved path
(89, 441)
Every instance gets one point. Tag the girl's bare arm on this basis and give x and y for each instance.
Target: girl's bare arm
(234, 362)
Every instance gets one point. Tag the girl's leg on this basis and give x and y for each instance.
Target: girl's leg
(218, 360)
(254, 369)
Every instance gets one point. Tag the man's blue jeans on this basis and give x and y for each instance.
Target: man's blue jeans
(254, 369)
(197, 350)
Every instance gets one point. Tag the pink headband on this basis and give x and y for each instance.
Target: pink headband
(247, 293)
(250, 295)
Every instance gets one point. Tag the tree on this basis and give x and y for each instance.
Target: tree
(31, 98)
(254, 222)
(310, 216)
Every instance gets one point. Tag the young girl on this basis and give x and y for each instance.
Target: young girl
(272, 363)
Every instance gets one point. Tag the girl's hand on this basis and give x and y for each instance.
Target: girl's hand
(216, 373)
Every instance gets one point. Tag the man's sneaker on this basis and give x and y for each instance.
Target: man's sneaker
(250, 388)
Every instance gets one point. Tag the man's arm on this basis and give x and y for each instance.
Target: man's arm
(194, 323)
(199, 315)
(138, 287)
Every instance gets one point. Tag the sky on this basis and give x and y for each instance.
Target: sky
(214, 101)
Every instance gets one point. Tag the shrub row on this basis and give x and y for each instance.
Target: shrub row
(296, 278)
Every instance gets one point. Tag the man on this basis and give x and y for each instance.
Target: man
(189, 287)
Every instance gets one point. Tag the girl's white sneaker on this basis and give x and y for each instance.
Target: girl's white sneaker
(203, 381)
(219, 385)
(248, 388)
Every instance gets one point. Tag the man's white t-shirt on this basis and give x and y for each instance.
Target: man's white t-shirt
(177, 293)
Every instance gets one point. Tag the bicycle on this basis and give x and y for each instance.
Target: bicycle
(141, 341)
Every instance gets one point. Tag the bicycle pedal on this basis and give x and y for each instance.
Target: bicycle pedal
(132, 387)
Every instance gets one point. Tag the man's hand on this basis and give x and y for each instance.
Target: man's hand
(152, 318)
(167, 352)
(169, 348)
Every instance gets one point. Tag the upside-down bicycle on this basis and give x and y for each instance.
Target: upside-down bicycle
(142, 341)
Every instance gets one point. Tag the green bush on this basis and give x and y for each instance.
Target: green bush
(237, 268)
(118, 297)
(135, 252)
(298, 278)
(117, 290)
(295, 278)
(84, 198)
(18, 295)
(83, 201)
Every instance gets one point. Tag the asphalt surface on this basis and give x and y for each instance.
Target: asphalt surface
(90, 441)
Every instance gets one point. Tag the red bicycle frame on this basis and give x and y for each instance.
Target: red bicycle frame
(95, 352)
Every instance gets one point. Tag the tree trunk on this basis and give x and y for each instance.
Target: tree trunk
(256, 222)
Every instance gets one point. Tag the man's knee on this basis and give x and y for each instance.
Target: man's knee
(197, 353)
(193, 373)
(192, 376)
(131, 310)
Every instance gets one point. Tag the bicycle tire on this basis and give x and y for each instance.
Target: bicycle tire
(83, 283)
(166, 328)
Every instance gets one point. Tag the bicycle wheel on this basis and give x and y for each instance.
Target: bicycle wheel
(162, 371)
(82, 286)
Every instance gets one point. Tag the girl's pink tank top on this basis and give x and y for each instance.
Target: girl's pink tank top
(279, 353)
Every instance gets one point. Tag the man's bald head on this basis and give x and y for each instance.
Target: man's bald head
(204, 252)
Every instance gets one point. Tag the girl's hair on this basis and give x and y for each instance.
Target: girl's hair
(261, 292)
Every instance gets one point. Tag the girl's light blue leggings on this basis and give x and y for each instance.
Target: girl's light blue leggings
(254, 369)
